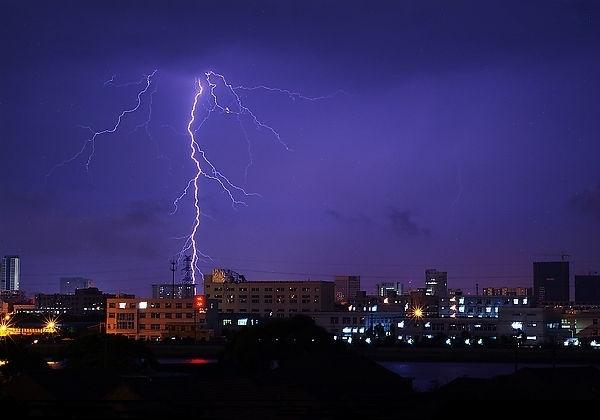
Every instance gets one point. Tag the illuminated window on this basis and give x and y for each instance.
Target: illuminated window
(122, 305)
(143, 305)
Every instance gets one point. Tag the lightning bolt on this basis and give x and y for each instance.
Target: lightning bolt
(91, 141)
(292, 95)
(198, 156)
(203, 167)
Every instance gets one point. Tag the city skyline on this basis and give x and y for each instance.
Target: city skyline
(474, 157)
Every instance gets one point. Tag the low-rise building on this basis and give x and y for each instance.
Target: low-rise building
(582, 322)
(533, 325)
(506, 291)
(486, 306)
(281, 299)
(82, 302)
(177, 291)
(156, 319)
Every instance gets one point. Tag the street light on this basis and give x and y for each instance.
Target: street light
(51, 325)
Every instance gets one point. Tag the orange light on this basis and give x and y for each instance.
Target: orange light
(418, 312)
(51, 325)
(200, 302)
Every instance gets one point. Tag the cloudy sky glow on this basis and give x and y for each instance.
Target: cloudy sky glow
(466, 139)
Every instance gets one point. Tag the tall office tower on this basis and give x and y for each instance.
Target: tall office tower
(346, 288)
(587, 289)
(551, 282)
(10, 272)
(68, 285)
(436, 283)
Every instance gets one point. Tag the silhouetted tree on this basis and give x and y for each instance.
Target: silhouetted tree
(108, 352)
(275, 342)
(19, 358)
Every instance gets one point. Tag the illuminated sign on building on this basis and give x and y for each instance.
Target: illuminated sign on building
(200, 303)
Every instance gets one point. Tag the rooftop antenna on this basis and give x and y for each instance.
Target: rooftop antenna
(173, 268)
(187, 278)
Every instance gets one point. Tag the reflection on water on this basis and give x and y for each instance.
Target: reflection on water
(186, 361)
(429, 375)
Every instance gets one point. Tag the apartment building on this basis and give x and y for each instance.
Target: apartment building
(280, 299)
(156, 319)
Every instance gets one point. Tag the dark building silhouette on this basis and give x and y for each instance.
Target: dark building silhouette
(436, 283)
(89, 301)
(346, 288)
(551, 282)
(587, 288)
(506, 291)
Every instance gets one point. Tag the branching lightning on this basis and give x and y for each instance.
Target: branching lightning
(292, 95)
(91, 141)
(233, 106)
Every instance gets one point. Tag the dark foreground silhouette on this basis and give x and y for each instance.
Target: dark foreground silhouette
(284, 368)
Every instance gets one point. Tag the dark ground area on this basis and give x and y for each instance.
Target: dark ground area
(285, 369)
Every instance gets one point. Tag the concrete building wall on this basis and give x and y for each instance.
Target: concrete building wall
(271, 298)
(154, 319)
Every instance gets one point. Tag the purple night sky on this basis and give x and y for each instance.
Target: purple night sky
(467, 140)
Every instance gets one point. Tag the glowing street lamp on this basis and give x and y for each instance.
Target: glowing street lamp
(5, 327)
(418, 312)
(51, 325)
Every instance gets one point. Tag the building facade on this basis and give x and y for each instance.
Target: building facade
(68, 285)
(165, 291)
(551, 282)
(390, 289)
(506, 291)
(83, 302)
(436, 283)
(587, 289)
(155, 319)
(533, 325)
(10, 272)
(346, 288)
(486, 306)
(281, 299)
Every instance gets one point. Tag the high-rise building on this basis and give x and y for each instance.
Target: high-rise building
(68, 285)
(436, 283)
(587, 289)
(346, 288)
(389, 288)
(10, 273)
(551, 282)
